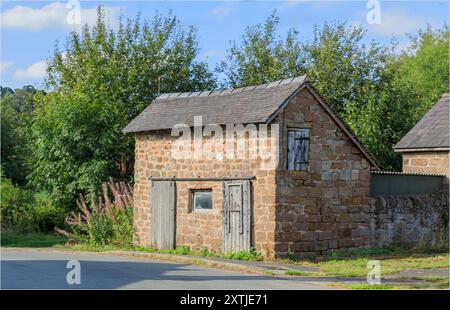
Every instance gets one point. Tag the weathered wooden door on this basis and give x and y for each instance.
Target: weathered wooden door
(163, 205)
(237, 216)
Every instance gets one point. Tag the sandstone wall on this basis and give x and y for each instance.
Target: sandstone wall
(326, 207)
(428, 162)
(199, 229)
(409, 220)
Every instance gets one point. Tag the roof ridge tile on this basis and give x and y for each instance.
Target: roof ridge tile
(226, 91)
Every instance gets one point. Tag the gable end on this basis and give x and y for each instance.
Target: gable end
(334, 116)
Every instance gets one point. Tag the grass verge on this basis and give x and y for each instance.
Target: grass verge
(364, 286)
(353, 263)
(303, 273)
(32, 240)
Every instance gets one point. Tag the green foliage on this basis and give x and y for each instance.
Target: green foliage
(25, 211)
(182, 250)
(422, 71)
(263, 56)
(100, 81)
(302, 273)
(343, 68)
(412, 83)
(364, 252)
(381, 94)
(365, 286)
(16, 207)
(31, 240)
(103, 230)
(16, 108)
(244, 255)
(107, 221)
(204, 252)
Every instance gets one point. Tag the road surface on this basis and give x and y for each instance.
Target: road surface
(47, 269)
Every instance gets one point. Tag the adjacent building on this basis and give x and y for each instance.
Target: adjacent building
(425, 148)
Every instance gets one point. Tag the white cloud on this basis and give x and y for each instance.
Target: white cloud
(287, 4)
(214, 53)
(5, 65)
(396, 22)
(222, 11)
(290, 3)
(35, 71)
(55, 14)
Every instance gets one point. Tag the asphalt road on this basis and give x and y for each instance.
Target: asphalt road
(46, 269)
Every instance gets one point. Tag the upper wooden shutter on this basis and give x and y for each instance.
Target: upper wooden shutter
(298, 149)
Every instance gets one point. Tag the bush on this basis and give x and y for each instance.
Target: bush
(15, 208)
(244, 255)
(23, 211)
(104, 222)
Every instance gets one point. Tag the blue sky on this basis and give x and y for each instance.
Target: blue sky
(30, 29)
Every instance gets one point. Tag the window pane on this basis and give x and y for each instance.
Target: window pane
(203, 200)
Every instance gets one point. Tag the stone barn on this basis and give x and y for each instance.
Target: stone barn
(426, 147)
(299, 184)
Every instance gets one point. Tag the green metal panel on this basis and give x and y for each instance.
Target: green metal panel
(405, 184)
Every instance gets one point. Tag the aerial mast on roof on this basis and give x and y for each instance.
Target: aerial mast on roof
(161, 77)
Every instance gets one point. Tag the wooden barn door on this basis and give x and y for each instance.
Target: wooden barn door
(163, 204)
(237, 216)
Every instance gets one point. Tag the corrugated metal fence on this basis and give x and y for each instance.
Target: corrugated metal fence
(387, 182)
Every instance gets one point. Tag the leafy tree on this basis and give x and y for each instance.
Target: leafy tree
(348, 73)
(263, 56)
(100, 81)
(339, 64)
(412, 83)
(379, 93)
(5, 90)
(16, 108)
(421, 72)
(343, 68)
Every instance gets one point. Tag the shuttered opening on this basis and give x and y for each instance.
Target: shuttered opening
(298, 149)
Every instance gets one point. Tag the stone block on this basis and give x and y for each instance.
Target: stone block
(325, 235)
(308, 235)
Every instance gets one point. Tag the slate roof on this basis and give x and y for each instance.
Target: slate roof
(254, 104)
(431, 132)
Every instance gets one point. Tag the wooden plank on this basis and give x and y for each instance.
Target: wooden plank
(237, 216)
(290, 150)
(225, 217)
(163, 204)
(248, 214)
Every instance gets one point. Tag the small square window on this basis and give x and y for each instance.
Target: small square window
(201, 200)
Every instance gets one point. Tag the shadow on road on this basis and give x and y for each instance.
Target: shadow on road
(51, 274)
